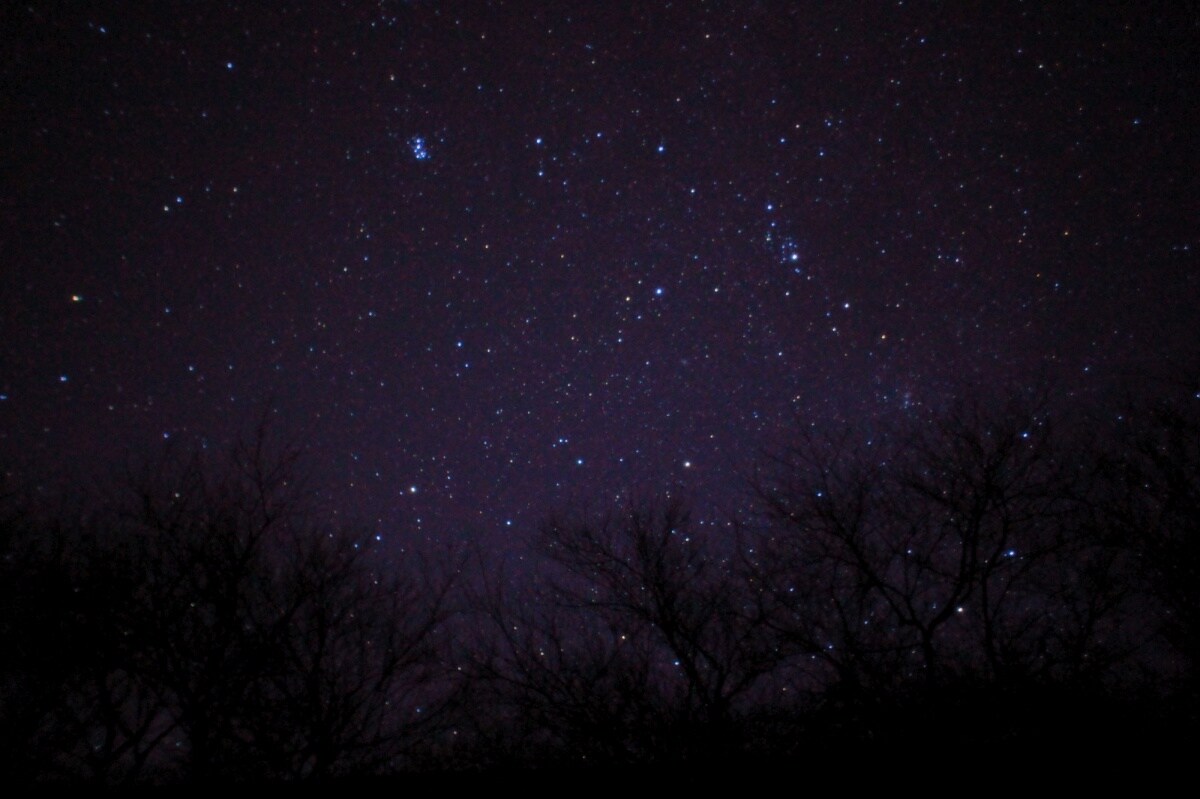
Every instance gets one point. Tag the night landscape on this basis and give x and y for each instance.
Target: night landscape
(419, 395)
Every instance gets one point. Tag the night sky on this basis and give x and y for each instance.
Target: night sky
(483, 260)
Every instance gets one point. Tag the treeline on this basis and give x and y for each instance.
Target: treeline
(996, 577)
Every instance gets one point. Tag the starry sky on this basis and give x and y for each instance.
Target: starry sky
(484, 259)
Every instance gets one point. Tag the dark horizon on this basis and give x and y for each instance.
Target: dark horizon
(990, 582)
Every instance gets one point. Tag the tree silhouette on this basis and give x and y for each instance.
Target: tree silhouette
(74, 704)
(361, 673)
(203, 624)
(1152, 508)
(651, 575)
(992, 574)
(964, 551)
(560, 683)
(38, 619)
(288, 648)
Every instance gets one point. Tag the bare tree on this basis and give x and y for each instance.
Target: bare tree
(288, 649)
(1151, 508)
(651, 576)
(554, 681)
(961, 550)
(37, 619)
(73, 706)
(361, 672)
